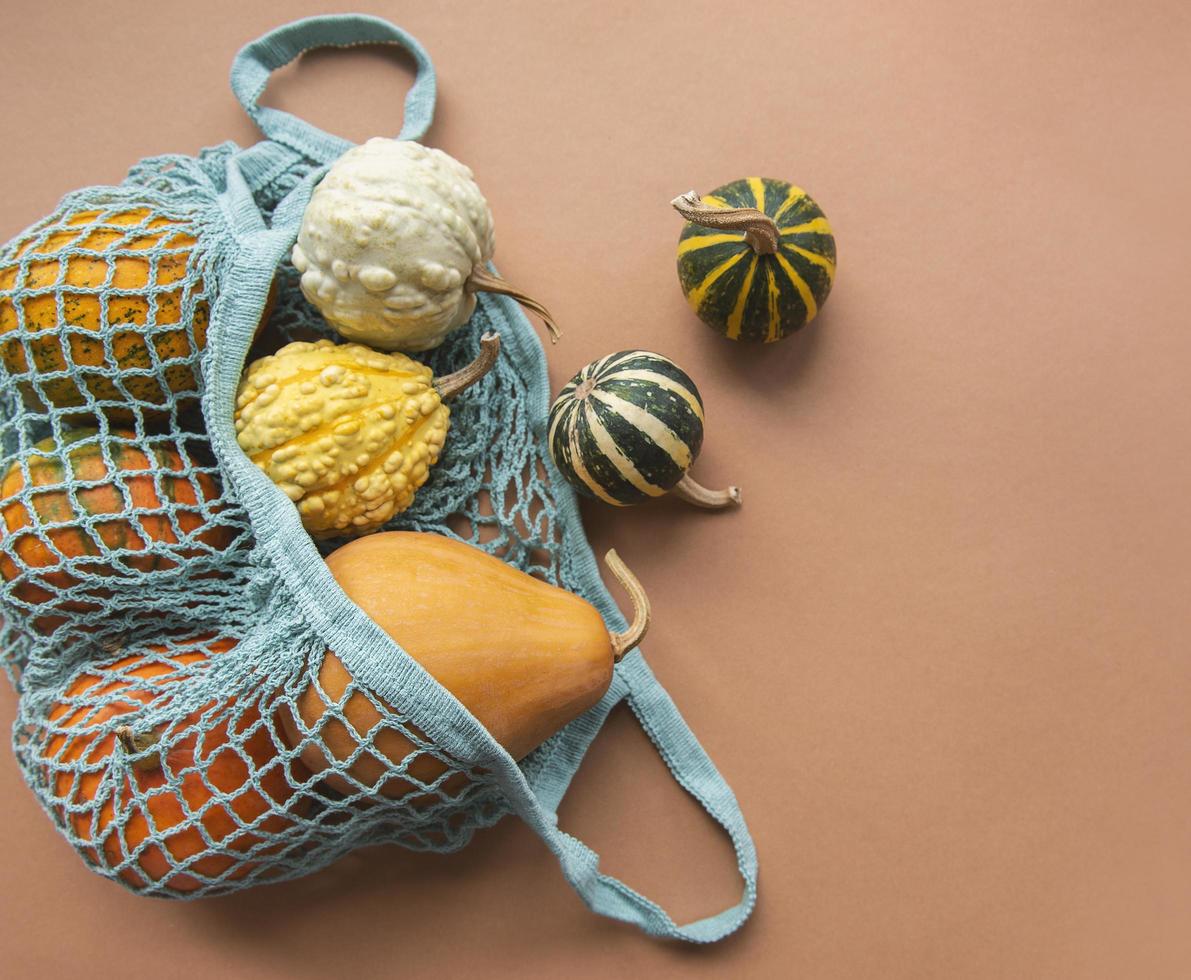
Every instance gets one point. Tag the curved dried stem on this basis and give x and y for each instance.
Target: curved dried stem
(760, 230)
(622, 643)
(450, 385)
(695, 493)
(483, 281)
(135, 745)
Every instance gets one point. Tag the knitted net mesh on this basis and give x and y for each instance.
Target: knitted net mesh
(158, 655)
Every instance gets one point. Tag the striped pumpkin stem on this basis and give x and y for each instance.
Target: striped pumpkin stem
(483, 281)
(450, 385)
(760, 230)
(622, 643)
(137, 745)
(695, 493)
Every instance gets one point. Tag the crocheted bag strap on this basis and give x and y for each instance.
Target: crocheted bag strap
(257, 60)
(693, 770)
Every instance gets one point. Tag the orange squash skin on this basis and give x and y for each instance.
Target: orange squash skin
(149, 331)
(103, 843)
(54, 344)
(55, 505)
(523, 656)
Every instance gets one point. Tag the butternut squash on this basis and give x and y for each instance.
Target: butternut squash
(523, 656)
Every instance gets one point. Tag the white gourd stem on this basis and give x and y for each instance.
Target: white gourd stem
(483, 281)
(450, 385)
(695, 493)
(134, 744)
(760, 230)
(622, 643)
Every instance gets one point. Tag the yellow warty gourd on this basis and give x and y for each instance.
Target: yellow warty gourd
(349, 433)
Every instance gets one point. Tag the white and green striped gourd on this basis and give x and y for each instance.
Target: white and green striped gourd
(628, 427)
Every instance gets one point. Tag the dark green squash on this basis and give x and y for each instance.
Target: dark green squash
(756, 258)
(627, 427)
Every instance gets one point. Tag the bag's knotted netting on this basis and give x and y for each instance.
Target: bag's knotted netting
(154, 646)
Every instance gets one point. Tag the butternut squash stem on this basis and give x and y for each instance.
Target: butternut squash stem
(760, 230)
(134, 744)
(622, 643)
(695, 493)
(483, 281)
(451, 384)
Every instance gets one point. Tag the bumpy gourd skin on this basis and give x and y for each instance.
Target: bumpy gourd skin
(347, 432)
(388, 241)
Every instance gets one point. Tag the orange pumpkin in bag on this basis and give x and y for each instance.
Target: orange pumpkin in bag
(47, 537)
(64, 345)
(154, 327)
(112, 827)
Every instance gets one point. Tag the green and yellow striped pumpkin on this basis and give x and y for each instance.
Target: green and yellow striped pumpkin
(756, 258)
(627, 427)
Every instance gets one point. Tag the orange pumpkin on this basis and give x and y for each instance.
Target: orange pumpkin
(40, 536)
(147, 328)
(114, 830)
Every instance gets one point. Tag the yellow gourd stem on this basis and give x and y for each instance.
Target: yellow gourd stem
(697, 494)
(483, 281)
(760, 230)
(622, 643)
(450, 385)
(134, 744)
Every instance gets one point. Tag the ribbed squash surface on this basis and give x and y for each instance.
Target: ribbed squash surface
(752, 297)
(141, 342)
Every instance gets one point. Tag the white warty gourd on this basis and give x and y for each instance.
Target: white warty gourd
(394, 245)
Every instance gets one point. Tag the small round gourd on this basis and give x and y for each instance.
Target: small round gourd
(394, 245)
(347, 432)
(627, 428)
(756, 258)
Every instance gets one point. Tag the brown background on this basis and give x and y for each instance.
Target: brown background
(942, 652)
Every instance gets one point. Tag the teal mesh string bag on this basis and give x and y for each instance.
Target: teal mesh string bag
(162, 605)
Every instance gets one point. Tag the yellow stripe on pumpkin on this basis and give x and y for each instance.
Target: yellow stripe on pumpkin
(696, 296)
(697, 242)
(775, 316)
(716, 202)
(794, 195)
(799, 283)
(758, 188)
(814, 226)
(737, 316)
(814, 257)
